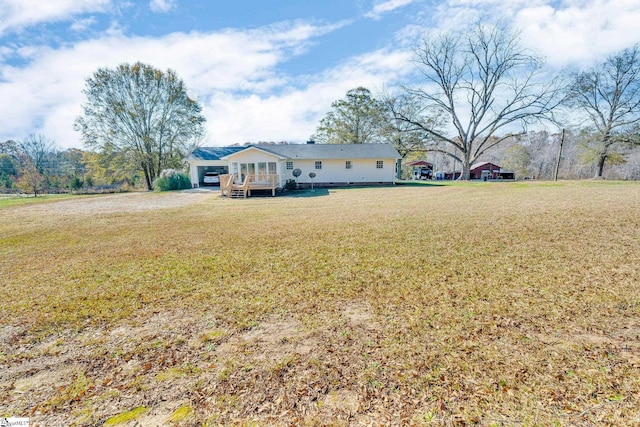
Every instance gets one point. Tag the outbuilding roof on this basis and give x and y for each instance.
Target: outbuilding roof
(481, 164)
(420, 163)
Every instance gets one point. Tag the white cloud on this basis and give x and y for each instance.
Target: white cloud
(233, 73)
(82, 24)
(18, 14)
(565, 31)
(238, 75)
(580, 32)
(386, 6)
(294, 115)
(162, 6)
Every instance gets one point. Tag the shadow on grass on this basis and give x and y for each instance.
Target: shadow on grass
(421, 183)
(307, 192)
(325, 191)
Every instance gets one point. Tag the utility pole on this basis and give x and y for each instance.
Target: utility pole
(555, 175)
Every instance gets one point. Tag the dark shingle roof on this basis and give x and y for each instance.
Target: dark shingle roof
(332, 151)
(213, 153)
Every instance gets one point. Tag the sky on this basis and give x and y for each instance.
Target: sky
(264, 70)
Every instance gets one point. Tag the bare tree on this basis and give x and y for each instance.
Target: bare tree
(609, 96)
(483, 83)
(141, 113)
(37, 149)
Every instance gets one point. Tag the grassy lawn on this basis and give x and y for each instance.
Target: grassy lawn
(487, 303)
(7, 200)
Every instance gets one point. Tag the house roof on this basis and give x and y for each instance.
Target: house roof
(331, 151)
(213, 153)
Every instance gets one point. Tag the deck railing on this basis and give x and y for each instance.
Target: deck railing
(264, 181)
(267, 179)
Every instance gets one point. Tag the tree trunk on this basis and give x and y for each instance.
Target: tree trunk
(465, 174)
(600, 167)
(147, 176)
(555, 174)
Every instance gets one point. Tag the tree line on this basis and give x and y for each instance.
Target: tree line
(36, 165)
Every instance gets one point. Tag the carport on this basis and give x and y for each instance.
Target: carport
(207, 159)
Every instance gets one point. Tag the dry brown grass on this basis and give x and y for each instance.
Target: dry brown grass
(490, 304)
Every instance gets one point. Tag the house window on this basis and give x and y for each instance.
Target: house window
(289, 166)
(318, 164)
(348, 164)
(379, 164)
(262, 171)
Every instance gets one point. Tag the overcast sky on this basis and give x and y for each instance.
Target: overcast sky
(263, 70)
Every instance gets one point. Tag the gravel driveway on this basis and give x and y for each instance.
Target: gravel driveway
(124, 202)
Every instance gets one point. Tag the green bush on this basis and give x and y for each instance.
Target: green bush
(291, 184)
(75, 183)
(171, 179)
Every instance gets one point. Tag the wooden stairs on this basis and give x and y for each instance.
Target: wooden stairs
(230, 189)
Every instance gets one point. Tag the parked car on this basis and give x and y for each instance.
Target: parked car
(211, 178)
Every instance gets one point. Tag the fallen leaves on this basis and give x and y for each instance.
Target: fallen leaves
(396, 306)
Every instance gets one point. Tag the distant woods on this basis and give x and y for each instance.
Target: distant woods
(36, 165)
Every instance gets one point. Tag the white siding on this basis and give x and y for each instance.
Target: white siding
(335, 171)
(252, 155)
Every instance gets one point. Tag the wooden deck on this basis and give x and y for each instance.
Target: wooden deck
(230, 188)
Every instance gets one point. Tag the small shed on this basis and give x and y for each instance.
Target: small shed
(451, 175)
(487, 170)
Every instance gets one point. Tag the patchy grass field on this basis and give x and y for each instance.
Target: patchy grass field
(7, 200)
(490, 304)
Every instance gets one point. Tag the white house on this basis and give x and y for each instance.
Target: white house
(332, 164)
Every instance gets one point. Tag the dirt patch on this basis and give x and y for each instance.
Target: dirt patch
(340, 401)
(161, 359)
(49, 378)
(159, 416)
(361, 316)
(273, 338)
